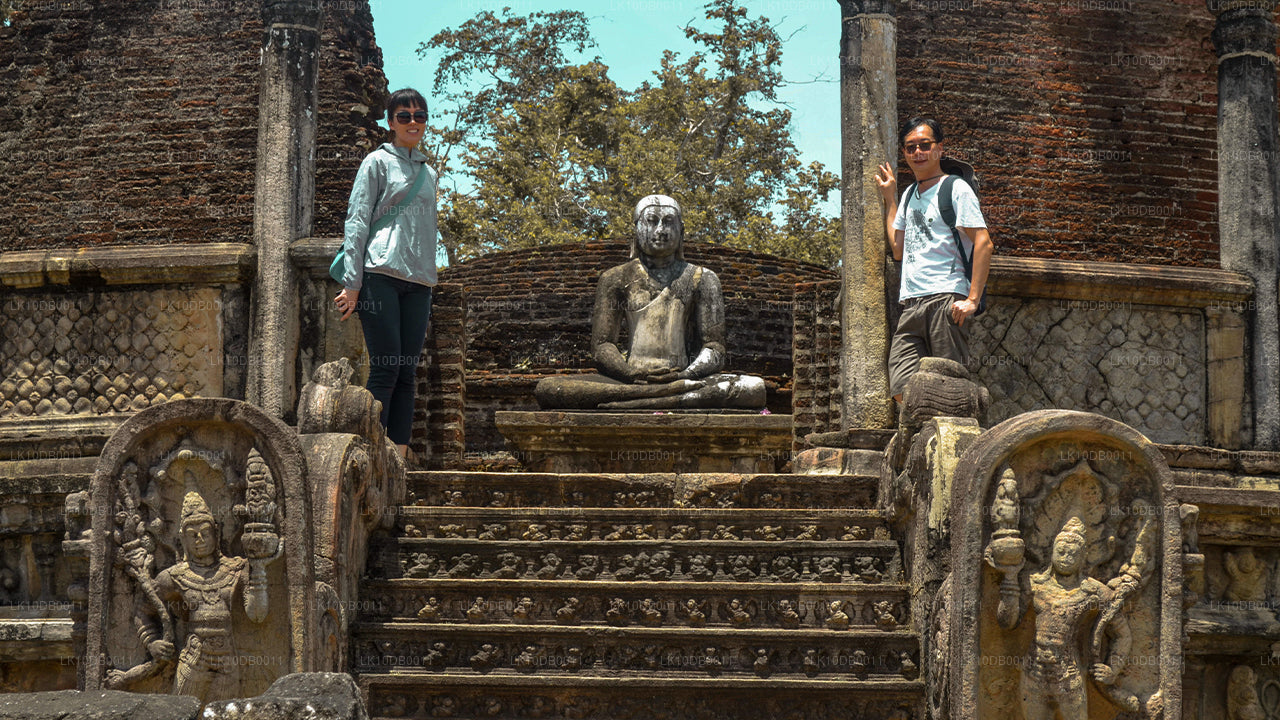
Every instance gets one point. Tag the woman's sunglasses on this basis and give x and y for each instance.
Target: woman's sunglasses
(405, 116)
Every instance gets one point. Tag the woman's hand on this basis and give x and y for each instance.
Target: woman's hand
(346, 302)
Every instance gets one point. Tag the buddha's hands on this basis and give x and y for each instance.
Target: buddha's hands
(656, 377)
(1103, 673)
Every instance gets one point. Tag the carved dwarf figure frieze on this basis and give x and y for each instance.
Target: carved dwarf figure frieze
(1247, 576)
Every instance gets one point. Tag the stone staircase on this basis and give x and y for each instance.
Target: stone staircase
(524, 595)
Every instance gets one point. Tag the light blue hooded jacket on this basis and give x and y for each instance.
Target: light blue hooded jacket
(406, 248)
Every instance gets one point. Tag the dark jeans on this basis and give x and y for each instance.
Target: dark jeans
(394, 314)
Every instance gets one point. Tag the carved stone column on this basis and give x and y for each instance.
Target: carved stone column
(1249, 186)
(868, 120)
(285, 191)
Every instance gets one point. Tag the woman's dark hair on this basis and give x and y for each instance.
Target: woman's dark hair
(404, 97)
(916, 122)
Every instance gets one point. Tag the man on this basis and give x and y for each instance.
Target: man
(675, 313)
(936, 297)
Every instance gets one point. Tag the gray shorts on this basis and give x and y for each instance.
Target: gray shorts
(925, 330)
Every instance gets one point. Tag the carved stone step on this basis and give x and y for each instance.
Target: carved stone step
(449, 696)
(721, 561)
(612, 524)
(665, 604)
(655, 652)
(616, 490)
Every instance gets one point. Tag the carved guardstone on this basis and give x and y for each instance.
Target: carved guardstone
(1066, 584)
(200, 572)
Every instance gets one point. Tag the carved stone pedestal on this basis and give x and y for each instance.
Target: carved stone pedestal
(647, 442)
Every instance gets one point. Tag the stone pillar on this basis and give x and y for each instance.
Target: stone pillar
(285, 191)
(1249, 187)
(868, 128)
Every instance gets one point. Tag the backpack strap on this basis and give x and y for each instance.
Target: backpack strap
(947, 211)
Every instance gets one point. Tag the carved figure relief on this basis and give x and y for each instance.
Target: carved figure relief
(430, 611)
(1248, 576)
(202, 588)
(761, 663)
(1243, 702)
(837, 618)
(693, 612)
(478, 612)
(523, 610)
(567, 614)
(787, 615)
(1067, 604)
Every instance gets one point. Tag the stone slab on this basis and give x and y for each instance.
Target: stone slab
(576, 442)
(129, 265)
(838, 461)
(97, 705)
(300, 696)
(854, 438)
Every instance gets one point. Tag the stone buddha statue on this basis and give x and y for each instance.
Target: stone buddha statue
(674, 312)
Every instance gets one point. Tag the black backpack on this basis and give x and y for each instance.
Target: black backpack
(957, 169)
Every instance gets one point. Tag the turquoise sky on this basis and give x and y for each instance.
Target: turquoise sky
(631, 35)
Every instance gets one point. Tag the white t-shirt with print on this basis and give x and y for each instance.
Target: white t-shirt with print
(931, 261)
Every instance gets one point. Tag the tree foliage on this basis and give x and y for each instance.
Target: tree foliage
(557, 152)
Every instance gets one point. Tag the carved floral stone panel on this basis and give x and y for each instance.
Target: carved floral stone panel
(1141, 365)
(93, 353)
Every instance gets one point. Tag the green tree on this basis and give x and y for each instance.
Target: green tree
(556, 152)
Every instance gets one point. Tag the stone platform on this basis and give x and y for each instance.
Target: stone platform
(563, 441)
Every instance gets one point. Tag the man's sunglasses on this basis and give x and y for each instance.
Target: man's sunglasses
(405, 116)
(926, 146)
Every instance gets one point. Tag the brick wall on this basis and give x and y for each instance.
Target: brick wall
(529, 315)
(352, 93)
(135, 121)
(1092, 123)
(815, 393)
(439, 427)
(530, 310)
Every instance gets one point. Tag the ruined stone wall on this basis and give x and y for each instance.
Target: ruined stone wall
(129, 125)
(529, 315)
(815, 392)
(1161, 349)
(1092, 123)
(135, 121)
(439, 426)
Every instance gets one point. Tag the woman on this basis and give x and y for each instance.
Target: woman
(390, 272)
